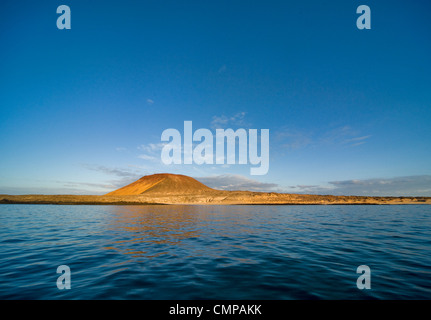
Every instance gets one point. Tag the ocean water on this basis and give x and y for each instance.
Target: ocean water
(215, 252)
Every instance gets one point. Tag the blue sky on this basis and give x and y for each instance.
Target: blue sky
(82, 110)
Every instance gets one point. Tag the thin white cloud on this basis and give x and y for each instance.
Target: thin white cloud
(237, 182)
(123, 176)
(357, 144)
(223, 122)
(111, 171)
(336, 135)
(147, 157)
(53, 190)
(358, 138)
(357, 141)
(292, 139)
(151, 151)
(296, 139)
(151, 147)
(398, 186)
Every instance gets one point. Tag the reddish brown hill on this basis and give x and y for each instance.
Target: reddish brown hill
(163, 183)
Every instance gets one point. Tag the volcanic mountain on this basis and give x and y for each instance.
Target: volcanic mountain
(164, 183)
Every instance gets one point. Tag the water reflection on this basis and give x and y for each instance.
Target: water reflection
(189, 231)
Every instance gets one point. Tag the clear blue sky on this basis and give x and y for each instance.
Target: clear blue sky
(82, 110)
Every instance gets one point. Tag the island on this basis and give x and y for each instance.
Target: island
(171, 189)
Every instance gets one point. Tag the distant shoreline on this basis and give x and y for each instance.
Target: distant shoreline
(167, 188)
(214, 198)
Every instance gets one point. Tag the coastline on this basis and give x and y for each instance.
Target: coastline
(217, 198)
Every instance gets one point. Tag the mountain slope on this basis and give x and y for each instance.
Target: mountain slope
(163, 183)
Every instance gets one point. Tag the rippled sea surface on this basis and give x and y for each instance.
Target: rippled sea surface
(215, 252)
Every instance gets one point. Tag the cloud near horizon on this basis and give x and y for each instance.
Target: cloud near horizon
(124, 176)
(419, 185)
(397, 186)
(237, 182)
